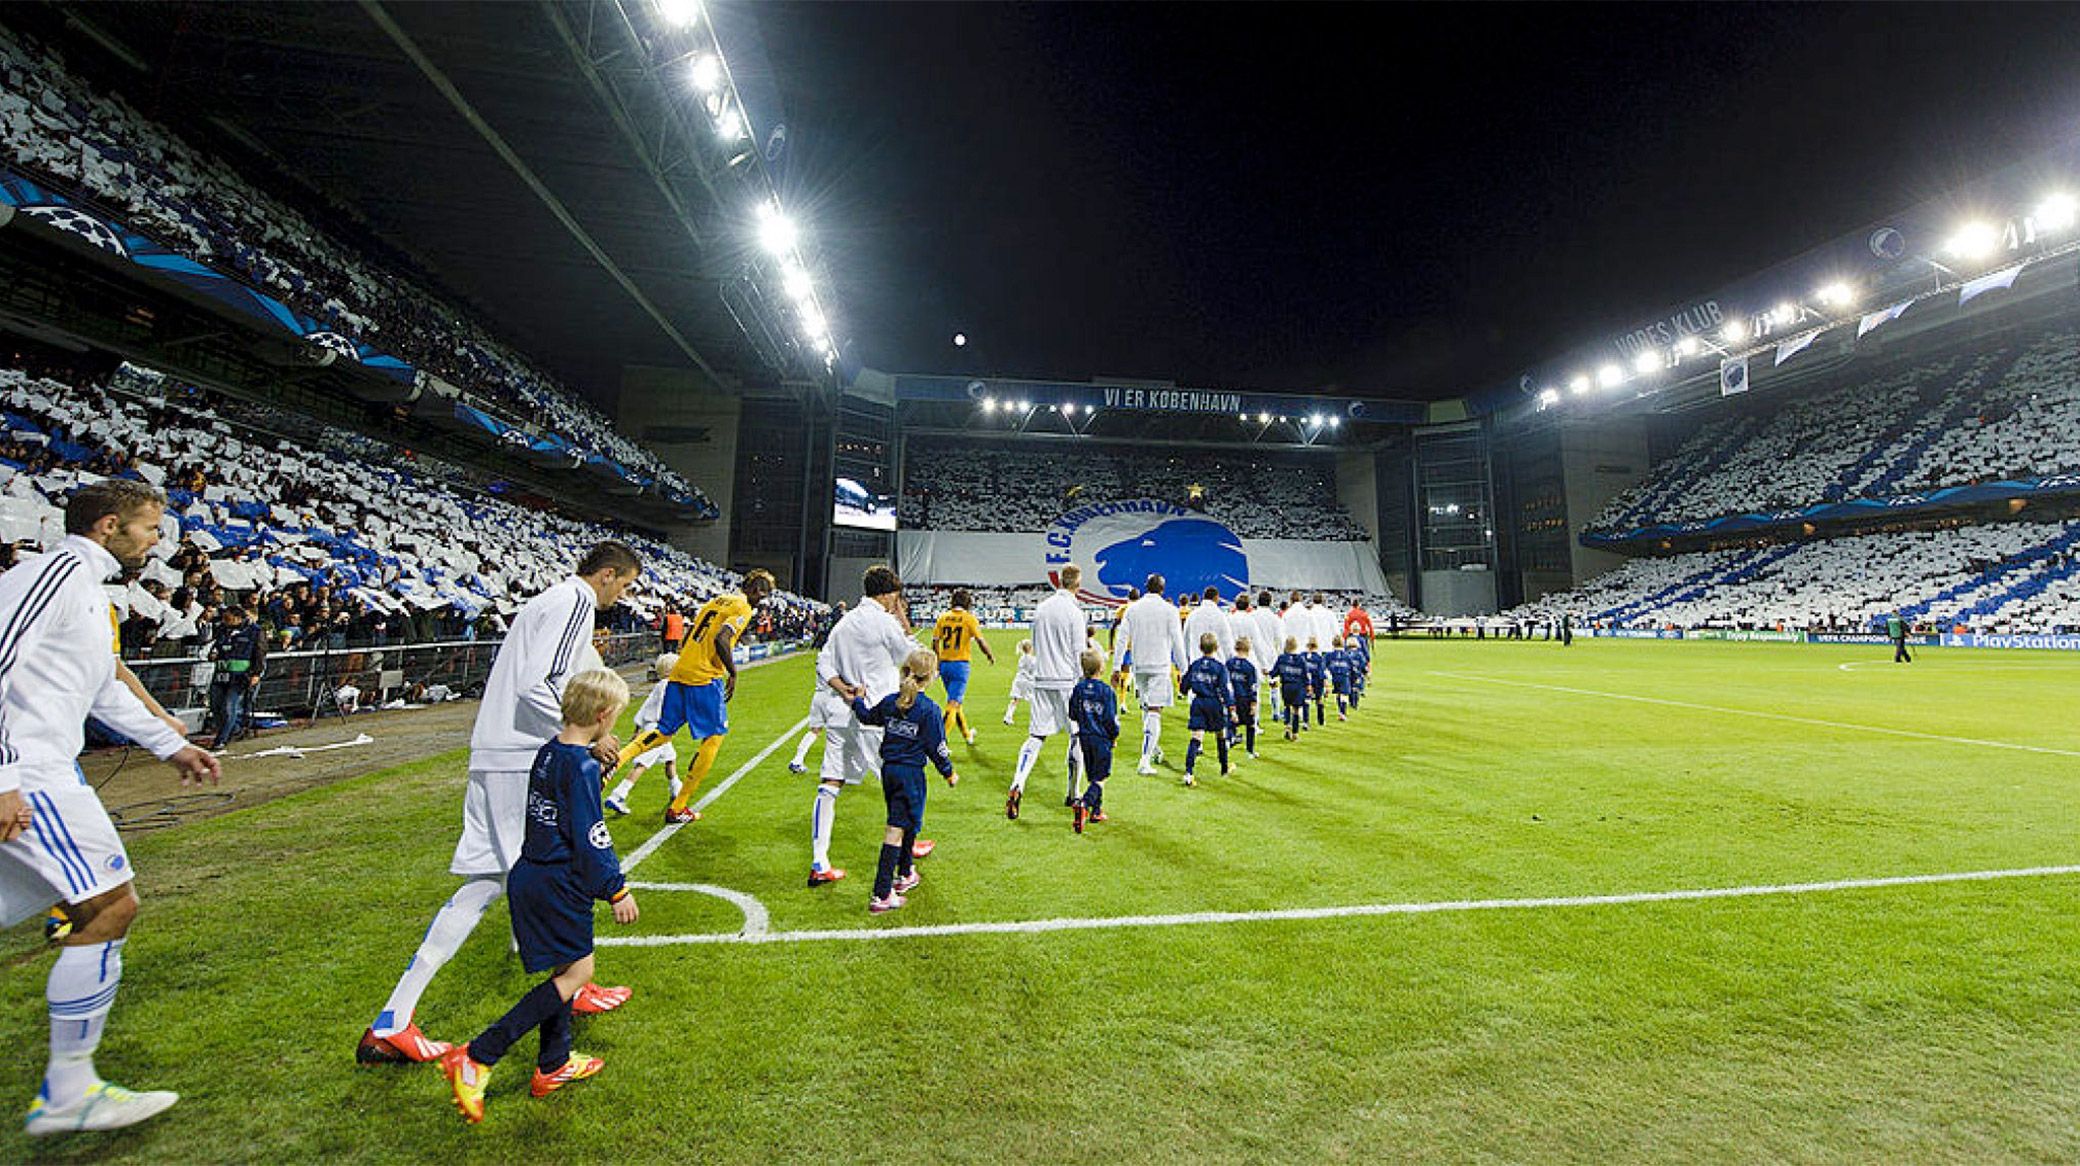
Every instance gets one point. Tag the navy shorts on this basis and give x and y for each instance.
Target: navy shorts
(1292, 694)
(1097, 757)
(1245, 712)
(552, 915)
(903, 789)
(954, 674)
(1208, 714)
(697, 708)
(1341, 682)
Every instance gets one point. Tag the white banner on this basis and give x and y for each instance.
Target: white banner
(1017, 560)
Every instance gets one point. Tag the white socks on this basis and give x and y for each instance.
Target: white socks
(80, 991)
(627, 786)
(450, 928)
(1028, 753)
(822, 813)
(801, 751)
(1151, 735)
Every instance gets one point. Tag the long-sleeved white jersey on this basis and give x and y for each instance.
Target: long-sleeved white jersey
(1327, 626)
(1269, 639)
(1058, 642)
(1208, 617)
(1150, 631)
(58, 666)
(866, 647)
(549, 642)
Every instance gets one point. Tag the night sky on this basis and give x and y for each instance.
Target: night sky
(1411, 201)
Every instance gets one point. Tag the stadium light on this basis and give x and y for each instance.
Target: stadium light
(2057, 212)
(1244, 418)
(1646, 362)
(989, 404)
(1263, 418)
(813, 321)
(1579, 385)
(776, 232)
(1974, 240)
(1315, 419)
(1785, 314)
(1734, 332)
(1610, 376)
(1835, 295)
(1687, 346)
(1025, 406)
(706, 72)
(679, 13)
(798, 285)
(1335, 422)
(729, 125)
(960, 339)
(1548, 397)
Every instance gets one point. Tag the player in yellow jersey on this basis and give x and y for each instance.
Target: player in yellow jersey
(954, 637)
(701, 684)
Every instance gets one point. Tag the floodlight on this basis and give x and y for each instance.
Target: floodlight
(1314, 419)
(776, 232)
(1025, 406)
(679, 13)
(1069, 408)
(1335, 422)
(729, 125)
(1687, 346)
(989, 404)
(1835, 295)
(960, 339)
(1974, 240)
(1646, 362)
(1548, 397)
(706, 72)
(1580, 383)
(1263, 418)
(1785, 313)
(2057, 212)
(798, 286)
(1610, 375)
(812, 319)
(1244, 418)
(1734, 332)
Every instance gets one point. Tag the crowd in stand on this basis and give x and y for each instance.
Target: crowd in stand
(329, 543)
(57, 128)
(968, 487)
(1016, 604)
(2000, 413)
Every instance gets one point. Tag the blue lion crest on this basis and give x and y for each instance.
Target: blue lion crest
(1191, 554)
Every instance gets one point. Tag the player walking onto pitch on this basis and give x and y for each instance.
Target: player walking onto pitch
(1317, 681)
(1267, 636)
(701, 686)
(1154, 637)
(912, 733)
(1290, 669)
(1338, 661)
(566, 863)
(1207, 681)
(1242, 681)
(1094, 706)
(57, 667)
(1058, 637)
(862, 658)
(1021, 679)
(549, 642)
(954, 638)
(666, 754)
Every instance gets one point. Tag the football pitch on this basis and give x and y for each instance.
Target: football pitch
(1623, 901)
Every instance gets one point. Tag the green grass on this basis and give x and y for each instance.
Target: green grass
(1936, 1022)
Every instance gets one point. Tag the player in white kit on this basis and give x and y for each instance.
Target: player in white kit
(864, 658)
(1058, 640)
(57, 667)
(1152, 640)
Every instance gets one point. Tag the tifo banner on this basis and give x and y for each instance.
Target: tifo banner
(1893, 505)
(1760, 635)
(1130, 550)
(2061, 643)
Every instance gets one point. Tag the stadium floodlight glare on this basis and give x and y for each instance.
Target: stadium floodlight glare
(1835, 295)
(1734, 332)
(2057, 212)
(729, 125)
(1314, 419)
(813, 321)
(1610, 376)
(798, 286)
(1785, 314)
(1263, 418)
(1548, 397)
(776, 232)
(706, 72)
(1335, 422)
(679, 13)
(1025, 406)
(1647, 362)
(1974, 240)
(960, 339)
(1579, 385)
(989, 404)
(1687, 346)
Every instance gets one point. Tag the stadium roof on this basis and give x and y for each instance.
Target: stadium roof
(324, 97)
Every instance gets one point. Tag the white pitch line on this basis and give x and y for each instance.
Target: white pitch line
(656, 840)
(756, 920)
(1713, 708)
(1035, 926)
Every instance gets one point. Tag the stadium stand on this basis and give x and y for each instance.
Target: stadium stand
(55, 126)
(970, 487)
(334, 537)
(1993, 414)
(1014, 605)
(1997, 578)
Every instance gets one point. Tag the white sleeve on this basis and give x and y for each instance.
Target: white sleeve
(119, 708)
(1124, 641)
(548, 663)
(1180, 657)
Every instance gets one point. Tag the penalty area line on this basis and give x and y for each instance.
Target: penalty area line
(1768, 716)
(1363, 910)
(656, 840)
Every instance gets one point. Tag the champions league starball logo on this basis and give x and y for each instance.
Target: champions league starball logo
(1120, 544)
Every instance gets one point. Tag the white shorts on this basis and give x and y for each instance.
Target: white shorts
(658, 756)
(850, 753)
(1153, 689)
(1049, 712)
(70, 851)
(1021, 688)
(827, 709)
(494, 823)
